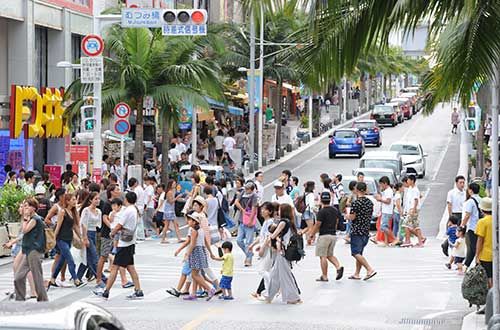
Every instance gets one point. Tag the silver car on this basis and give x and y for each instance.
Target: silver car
(413, 156)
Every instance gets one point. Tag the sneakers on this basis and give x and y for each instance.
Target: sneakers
(101, 285)
(104, 294)
(190, 298)
(226, 297)
(447, 266)
(340, 273)
(128, 285)
(79, 283)
(201, 294)
(174, 292)
(138, 294)
(211, 294)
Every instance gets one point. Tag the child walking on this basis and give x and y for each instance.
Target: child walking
(451, 232)
(459, 251)
(227, 270)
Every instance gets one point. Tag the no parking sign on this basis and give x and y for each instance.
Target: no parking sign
(122, 112)
(92, 45)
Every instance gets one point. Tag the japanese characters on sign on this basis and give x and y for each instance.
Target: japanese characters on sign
(92, 70)
(137, 18)
(184, 30)
(38, 115)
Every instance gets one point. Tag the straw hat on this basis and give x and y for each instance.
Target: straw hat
(201, 200)
(485, 204)
(195, 216)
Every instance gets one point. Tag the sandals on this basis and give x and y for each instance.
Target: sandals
(340, 273)
(321, 279)
(352, 277)
(370, 276)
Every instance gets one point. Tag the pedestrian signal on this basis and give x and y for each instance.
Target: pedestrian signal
(471, 125)
(88, 123)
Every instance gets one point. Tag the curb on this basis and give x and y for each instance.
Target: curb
(463, 169)
(473, 321)
(313, 142)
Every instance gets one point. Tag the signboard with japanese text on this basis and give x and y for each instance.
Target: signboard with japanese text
(92, 70)
(55, 173)
(184, 30)
(79, 154)
(137, 18)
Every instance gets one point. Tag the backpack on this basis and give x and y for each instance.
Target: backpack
(475, 286)
(300, 203)
(295, 248)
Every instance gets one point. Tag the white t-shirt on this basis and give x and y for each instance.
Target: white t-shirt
(397, 196)
(409, 198)
(259, 191)
(90, 219)
(219, 140)
(229, 143)
(140, 198)
(116, 218)
(459, 250)
(181, 147)
(310, 201)
(387, 194)
(128, 220)
(212, 208)
(161, 200)
(174, 155)
(149, 193)
(285, 199)
(457, 199)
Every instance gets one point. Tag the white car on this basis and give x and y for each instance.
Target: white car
(413, 156)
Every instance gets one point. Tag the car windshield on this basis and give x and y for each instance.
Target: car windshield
(345, 134)
(405, 149)
(377, 175)
(364, 124)
(383, 109)
(381, 163)
(371, 187)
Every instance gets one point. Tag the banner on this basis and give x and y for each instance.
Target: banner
(79, 154)
(55, 173)
(269, 142)
(186, 117)
(257, 90)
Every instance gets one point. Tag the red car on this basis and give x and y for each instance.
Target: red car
(404, 104)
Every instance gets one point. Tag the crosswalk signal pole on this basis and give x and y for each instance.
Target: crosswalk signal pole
(494, 195)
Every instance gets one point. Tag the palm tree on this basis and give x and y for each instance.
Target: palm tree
(172, 70)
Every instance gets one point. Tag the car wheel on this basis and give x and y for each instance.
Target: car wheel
(423, 175)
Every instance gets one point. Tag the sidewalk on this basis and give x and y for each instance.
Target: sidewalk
(473, 321)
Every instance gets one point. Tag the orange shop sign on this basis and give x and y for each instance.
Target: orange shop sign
(39, 115)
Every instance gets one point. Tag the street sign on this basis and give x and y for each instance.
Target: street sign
(92, 71)
(122, 110)
(184, 30)
(92, 45)
(146, 17)
(122, 126)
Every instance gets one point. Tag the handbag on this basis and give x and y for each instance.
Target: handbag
(77, 242)
(214, 235)
(50, 239)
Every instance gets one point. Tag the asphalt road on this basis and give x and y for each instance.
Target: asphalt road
(412, 289)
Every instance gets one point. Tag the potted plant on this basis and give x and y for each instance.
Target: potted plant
(10, 199)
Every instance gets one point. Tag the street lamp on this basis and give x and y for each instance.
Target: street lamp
(68, 65)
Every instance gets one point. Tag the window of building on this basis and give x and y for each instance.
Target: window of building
(76, 52)
(184, 4)
(41, 57)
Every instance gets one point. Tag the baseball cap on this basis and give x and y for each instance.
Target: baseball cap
(325, 197)
(278, 184)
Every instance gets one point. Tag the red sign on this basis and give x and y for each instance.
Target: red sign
(55, 173)
(96, 175)
(78, 154)
(122, 110)
(92, 45)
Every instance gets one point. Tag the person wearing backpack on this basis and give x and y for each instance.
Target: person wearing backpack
(307, 208)
(281, 278)
(247, 205)
(470, 218)
(326, 224)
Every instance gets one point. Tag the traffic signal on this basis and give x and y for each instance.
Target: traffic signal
(473, 120)
(185, 16)
(87, 113)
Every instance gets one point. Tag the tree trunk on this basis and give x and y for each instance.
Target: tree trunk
(279, 114)
(384, 85)
(139, 134)
(362, 93)
(165, 147)
(484, 101)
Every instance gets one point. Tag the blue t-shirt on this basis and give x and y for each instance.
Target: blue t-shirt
(452, 234)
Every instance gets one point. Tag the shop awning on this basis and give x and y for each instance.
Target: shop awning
(216, 105)
(235, 110)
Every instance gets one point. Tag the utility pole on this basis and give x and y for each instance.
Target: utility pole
(494, 195)
(310, 110)
(98, 102)
(251, 92)
(261, 87)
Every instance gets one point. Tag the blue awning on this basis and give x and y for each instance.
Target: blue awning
(215, 104)
(235, 110)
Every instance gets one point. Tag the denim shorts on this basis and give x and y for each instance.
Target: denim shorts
(358, 243)
(186, 270)
(384, 222)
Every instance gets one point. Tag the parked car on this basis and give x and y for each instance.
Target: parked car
(388, 113)
(384, 159)
(414, 158)
(372, 190)
(404, 104)
(377, 173)
(370, 131)
(49, 315)
(413, 100)
(346, 141)
(185, 175)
